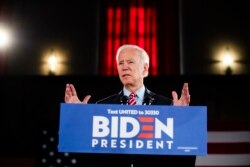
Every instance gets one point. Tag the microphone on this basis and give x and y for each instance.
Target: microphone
(100, 101)
(124, 100)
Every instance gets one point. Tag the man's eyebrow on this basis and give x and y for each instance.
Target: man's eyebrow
(126, 60)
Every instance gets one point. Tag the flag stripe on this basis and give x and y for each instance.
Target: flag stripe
(226, 149)
(229, 126)
(223, 160)
(228, 137)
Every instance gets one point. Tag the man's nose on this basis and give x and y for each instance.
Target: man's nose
(125, 66)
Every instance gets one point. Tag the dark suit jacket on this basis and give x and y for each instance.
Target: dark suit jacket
(125, 160)
(149, 98)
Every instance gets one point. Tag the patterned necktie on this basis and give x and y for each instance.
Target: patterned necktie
(131, 100)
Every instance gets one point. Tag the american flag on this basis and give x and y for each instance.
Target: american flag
(228, 146)
(48, 155)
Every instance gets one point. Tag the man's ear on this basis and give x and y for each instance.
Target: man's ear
(145, 68)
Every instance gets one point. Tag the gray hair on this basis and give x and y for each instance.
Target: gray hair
(143, 54)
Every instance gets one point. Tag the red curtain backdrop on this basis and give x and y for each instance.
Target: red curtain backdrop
(134, 22)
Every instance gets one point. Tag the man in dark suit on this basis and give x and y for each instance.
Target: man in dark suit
(133, 66)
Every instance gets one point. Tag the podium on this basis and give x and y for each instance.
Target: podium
(138, 129)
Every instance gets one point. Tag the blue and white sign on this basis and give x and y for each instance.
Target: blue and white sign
(137, 129)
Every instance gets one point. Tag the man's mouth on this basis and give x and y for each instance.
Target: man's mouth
(125, 75)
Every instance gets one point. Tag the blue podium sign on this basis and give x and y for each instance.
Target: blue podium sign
(137, 129)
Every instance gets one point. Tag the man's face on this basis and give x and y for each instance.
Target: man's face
(131, 69)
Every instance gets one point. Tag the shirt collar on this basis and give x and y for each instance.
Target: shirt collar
(140, 92)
